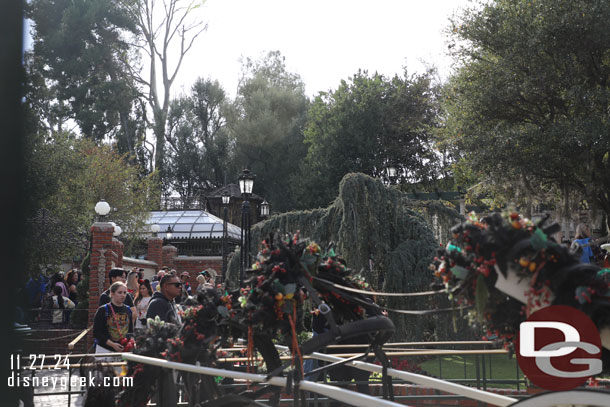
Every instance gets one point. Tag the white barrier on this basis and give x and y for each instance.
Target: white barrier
(475, 394)
(346, 396)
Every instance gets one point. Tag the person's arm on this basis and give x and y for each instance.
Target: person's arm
(129, 300)
(100, 330)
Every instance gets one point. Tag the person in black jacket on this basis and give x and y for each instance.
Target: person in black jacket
(113, 322)
(162, 303)
(115, 275)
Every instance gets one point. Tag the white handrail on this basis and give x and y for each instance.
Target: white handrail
(454, 388)
(346, 396)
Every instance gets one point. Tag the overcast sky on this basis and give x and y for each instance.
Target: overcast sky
(323, 41)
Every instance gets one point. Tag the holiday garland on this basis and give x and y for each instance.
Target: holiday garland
(484, 253)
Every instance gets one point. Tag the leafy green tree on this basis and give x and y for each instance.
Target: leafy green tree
(65, 178)
(367, 124)
(198, 150)
(266, 126)
(78, 68)
(529, 104)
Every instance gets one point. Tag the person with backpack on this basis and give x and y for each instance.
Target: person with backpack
(60, 303)
(113, 322)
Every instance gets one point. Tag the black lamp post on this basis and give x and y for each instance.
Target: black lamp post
(168, 234)
(225, 206)
(246, 183)
(264, 209)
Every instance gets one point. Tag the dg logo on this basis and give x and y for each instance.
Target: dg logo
(559, 348)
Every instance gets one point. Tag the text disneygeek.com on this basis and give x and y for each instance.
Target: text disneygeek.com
(42, 362)
(63, 383)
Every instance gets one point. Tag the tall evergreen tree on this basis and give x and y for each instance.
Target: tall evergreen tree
(78, 68)
(198, 150)
(266, 126)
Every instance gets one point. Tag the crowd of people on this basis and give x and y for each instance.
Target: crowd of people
(52, 298)
(126, 306)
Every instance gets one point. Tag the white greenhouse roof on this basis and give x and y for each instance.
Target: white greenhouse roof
(192, 224)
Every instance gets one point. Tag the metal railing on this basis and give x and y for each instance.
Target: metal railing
(482, 359)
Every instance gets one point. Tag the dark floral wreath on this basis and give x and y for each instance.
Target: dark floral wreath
(516, 254)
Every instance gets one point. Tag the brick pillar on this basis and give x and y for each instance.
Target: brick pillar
(101, 261)
(117, 247)
(169, 252)
(154, 250)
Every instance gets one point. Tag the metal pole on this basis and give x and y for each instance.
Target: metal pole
(242, 243)
(247, 240)
(248, 243)
(224, 245)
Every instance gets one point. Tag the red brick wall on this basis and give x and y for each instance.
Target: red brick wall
(101, 233)
(194, 265)
(155, 250)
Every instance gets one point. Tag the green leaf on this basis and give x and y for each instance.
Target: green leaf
(481, 296)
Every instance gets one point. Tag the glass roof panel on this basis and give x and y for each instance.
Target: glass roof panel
(187, 219)
(182, 228)
(199, 228)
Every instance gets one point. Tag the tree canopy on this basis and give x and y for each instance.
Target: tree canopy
(199, 151)
(78, 68)
(266, 127)
(528, 106)
(65, 178)
(367, 124)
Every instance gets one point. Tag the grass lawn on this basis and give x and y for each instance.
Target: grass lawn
(464, 367)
